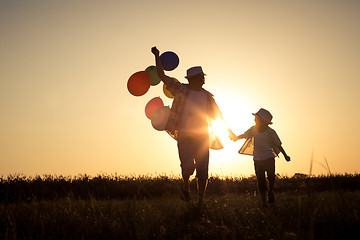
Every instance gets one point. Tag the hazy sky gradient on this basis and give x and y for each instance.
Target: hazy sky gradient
(64, 65)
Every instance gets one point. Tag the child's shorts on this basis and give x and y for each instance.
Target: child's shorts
(262, 166)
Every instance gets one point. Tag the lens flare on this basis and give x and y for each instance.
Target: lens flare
(220, 129)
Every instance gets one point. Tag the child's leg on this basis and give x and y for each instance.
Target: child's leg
(261, 180)
(271, 174)
(271, 179)
(271, 185)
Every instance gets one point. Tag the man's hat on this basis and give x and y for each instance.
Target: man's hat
(264, 115)
(194, 71)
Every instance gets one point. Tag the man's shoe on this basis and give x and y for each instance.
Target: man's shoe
(184, 193)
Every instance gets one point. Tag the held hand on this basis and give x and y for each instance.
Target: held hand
(155, 51)
(232, 136)
(287, 158)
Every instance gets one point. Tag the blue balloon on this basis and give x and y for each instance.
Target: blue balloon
(169, 60)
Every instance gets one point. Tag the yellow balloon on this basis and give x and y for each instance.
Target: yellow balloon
(167, 92)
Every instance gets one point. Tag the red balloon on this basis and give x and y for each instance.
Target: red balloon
(139, 83)
(153, 105)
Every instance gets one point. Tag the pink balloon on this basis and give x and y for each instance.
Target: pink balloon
(153, 105)
(139, 83)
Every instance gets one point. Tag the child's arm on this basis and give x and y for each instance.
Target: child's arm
(241, 136)
(287, 158)
(234, 137)
(249, 133)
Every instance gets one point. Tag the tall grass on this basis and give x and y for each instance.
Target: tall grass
(330, 215)
(21, 188)
(112, 207)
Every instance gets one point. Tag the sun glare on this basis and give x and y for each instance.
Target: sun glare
(220, 129)
(237, 115)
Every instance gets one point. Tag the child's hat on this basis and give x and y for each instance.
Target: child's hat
(264, 115)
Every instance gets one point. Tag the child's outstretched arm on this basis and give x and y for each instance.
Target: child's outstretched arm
(287, 158)
(234, 137)
(241, 136)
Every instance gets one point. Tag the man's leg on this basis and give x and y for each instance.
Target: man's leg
(201, 185)
(202, 166)
(185, 190)
(186, 155)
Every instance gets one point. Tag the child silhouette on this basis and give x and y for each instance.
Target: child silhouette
(264, 144)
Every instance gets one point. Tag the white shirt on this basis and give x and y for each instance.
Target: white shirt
(265, 143)
(194, 118)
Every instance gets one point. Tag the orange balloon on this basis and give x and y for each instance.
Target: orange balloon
(139, 83)
(153, 105)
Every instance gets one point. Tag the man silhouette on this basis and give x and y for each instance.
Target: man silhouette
(191, 112)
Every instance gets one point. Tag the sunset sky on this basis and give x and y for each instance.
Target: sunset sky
(64, 67)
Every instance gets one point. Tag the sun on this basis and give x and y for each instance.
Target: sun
(220, 129)
(237, 116)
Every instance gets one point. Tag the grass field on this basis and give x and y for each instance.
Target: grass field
(111, 207)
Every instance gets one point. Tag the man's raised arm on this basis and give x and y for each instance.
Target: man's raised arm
(160, 71)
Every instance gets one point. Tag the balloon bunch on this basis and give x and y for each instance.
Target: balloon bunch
(139, 83)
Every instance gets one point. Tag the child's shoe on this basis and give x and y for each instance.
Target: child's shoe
(271, 198)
